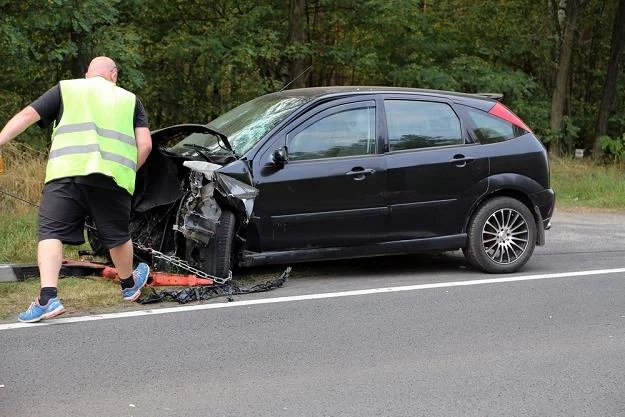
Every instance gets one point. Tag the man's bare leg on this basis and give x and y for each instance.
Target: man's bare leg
(49, 260)
(122, 258)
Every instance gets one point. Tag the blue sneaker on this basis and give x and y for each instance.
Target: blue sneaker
(140, 275)
(37, 312)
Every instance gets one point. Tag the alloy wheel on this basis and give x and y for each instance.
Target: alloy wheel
(505, 236)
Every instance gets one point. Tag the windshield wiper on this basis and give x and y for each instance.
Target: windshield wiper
(222, 138)
(200, 150)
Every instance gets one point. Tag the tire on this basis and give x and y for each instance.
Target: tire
(501, 236)
(97, 247)
(219, 251)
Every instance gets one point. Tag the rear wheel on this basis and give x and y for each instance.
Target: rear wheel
(502, 236)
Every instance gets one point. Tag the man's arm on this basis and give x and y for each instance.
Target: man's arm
(20, 122)
(144, 144)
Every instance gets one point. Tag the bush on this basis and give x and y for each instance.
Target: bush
(613, 148)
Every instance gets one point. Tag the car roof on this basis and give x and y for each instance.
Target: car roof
(318, 92)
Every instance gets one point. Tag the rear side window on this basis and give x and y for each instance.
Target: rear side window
(492, 129)
(421, 124)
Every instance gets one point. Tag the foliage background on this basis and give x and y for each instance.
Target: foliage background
(190, 60)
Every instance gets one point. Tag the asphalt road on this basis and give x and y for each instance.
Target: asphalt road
(548, 346)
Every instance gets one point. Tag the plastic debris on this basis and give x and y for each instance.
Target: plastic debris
(202, 293)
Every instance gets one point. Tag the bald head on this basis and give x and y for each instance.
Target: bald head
(102, 66)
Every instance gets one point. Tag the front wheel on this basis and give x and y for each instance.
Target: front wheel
(216, 258)
(502, 236)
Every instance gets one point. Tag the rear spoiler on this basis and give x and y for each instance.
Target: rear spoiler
(494, 96)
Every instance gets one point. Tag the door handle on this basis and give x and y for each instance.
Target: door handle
(460, 160)
(359, 173)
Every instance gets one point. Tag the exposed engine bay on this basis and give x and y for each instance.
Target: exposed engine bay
(185, 208)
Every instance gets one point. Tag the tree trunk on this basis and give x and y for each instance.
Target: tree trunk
(297, 36)
(609, 85)
(571, 9)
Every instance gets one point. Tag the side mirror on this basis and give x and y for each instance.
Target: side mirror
(280, 156)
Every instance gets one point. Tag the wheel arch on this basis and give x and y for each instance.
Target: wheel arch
(514, 186)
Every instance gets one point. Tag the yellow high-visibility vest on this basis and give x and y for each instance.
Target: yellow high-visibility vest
(95, 134)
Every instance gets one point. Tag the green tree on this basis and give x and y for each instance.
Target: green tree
(41, 45)
(609, 85)
(190, 60)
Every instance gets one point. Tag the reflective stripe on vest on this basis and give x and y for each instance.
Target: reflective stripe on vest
(95, 133)
(107, 133)
(81, 149)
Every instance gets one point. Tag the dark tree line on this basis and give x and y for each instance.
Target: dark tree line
(559, 63)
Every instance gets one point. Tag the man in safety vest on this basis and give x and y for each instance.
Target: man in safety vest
(100, 138)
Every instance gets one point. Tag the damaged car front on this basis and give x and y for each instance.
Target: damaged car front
(194, 194)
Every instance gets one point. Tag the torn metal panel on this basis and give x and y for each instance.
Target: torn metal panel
(200, 213)
(200, 222)
(239, 194)
(206, 168)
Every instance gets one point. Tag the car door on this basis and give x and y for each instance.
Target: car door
(330, 191)
(434, 172)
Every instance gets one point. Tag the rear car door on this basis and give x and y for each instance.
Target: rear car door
(434, 172)
(330, 192)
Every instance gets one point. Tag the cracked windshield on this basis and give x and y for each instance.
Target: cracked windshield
(244, 125)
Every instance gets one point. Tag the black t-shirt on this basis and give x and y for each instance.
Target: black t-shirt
(49, 106)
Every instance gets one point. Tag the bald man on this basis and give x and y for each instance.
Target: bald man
(100, 138)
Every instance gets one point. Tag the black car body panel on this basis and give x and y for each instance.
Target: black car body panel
(339, 172)
(524, 156)
(430, 191)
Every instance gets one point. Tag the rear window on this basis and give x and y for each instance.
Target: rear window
(421, 124)
(492, 129)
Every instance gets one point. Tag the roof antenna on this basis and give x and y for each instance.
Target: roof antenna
(295, 79)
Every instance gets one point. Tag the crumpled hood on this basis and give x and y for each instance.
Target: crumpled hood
(163, 135)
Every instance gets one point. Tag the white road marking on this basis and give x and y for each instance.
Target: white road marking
(195, 307)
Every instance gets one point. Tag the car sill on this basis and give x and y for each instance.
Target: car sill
(377, 249)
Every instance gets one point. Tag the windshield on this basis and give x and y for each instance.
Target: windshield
(244, 125)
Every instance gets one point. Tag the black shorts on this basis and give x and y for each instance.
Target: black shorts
(65, 204)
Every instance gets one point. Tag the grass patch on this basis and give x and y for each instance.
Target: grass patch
(25, 170)
(18, 239)
(77, 294)
(580, 183)
(18, 242)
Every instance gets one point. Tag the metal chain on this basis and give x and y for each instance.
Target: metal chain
(182, 264)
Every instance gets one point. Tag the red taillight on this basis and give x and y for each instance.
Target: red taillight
(503, 112)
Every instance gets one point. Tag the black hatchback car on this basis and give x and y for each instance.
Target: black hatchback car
(343, 172)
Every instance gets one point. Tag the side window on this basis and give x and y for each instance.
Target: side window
(421, 124)
(492, 129)
(344, 133)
